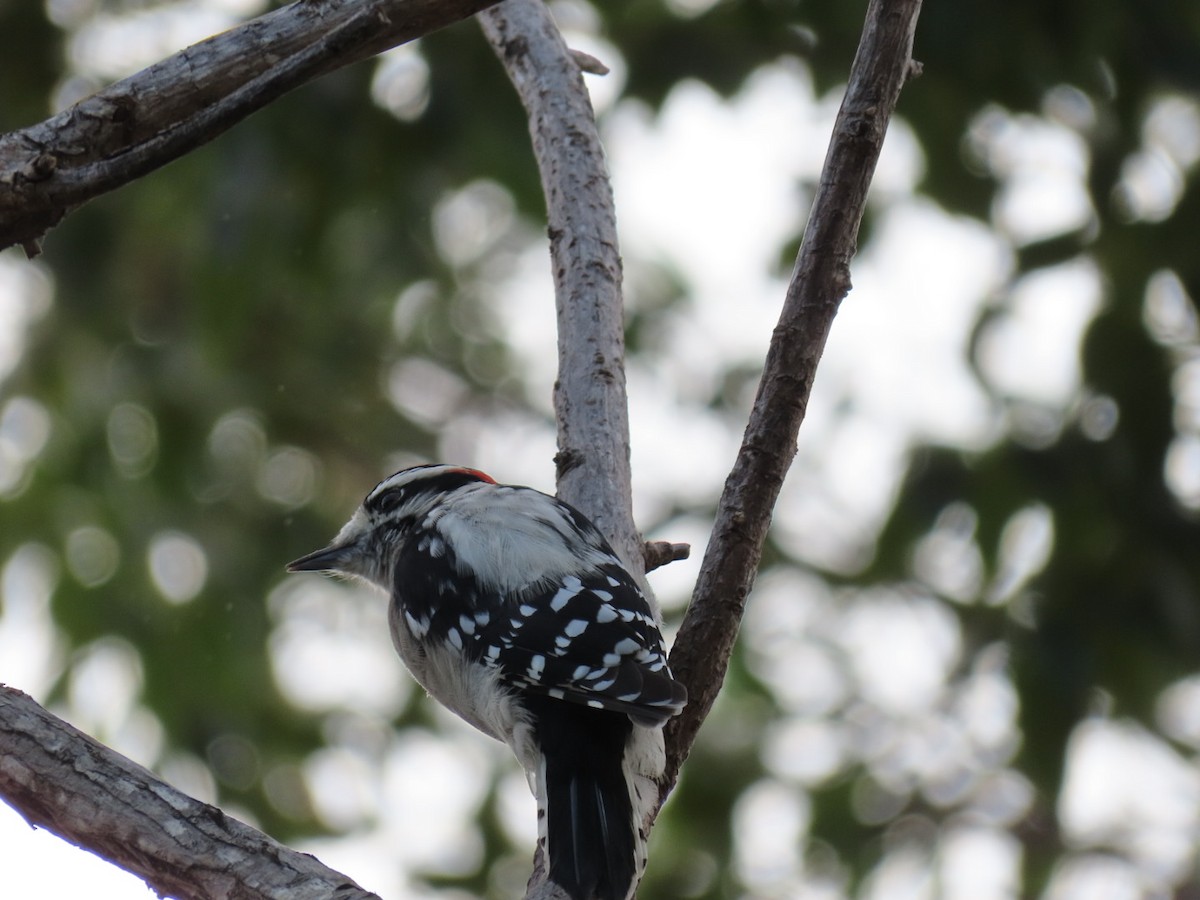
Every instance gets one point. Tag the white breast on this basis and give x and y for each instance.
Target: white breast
(469, 689)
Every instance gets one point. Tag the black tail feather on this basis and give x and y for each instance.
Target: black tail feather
(589, 817)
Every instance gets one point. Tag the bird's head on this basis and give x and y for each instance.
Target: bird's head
(367, 545)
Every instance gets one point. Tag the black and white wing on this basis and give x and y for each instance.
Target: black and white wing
(587, 636)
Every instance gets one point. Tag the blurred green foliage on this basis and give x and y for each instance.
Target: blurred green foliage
(243, 298)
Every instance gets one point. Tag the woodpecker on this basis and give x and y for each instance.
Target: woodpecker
(511, 609)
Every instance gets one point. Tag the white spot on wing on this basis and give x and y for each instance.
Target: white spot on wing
(570, 589)
(575, 627)
(536, 666)
(417, 626)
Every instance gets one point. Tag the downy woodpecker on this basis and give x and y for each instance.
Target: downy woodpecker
(511, 609)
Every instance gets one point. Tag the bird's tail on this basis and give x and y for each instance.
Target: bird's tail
(594, 842)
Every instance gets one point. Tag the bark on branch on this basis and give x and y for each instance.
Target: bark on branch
(161, 113)
(820, 280)
(590, 403)
(61, 779)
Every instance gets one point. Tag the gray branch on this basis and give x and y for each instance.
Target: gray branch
(161, 113)
(589, 399)
(820, 280)
(590, 403)
(60, 779)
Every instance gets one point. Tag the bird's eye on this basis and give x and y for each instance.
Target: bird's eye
(386, 501)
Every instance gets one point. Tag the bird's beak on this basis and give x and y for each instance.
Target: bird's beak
(329, 559)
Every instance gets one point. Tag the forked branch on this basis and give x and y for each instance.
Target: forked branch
(591, 389)
(99, 799)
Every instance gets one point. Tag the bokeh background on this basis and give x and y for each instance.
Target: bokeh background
(971, 665)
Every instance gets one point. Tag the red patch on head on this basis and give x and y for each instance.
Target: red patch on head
(482, 476)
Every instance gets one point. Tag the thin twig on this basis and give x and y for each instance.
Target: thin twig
(60, 779)
(819, 282)
(659, 553)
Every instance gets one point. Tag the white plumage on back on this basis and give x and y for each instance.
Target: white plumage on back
(501, 535)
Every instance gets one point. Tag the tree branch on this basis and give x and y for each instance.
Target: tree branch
(590, 403)
(589, 399)
(819, 281)
(143, 122)
(61, 779)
